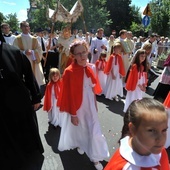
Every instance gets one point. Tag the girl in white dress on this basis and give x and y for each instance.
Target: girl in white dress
(143, 138)
(80, 123)
(115, 71)
(100, 65)
(51, 96)
(136, 79)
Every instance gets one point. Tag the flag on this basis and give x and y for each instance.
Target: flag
(147, 11)
(63, 15)
(76, 11)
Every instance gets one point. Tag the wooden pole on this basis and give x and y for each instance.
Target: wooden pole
(52, 30)
(84, 23)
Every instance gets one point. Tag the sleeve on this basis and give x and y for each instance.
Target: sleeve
(47, 98)
(68, 99)
(108, 65)
(37, 50)
(29, 80)
(132, 78)
(93, 46)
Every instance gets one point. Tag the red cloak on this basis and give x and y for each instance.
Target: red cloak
(133, 77)
(72, 87)
(47, 97)
(110, 62)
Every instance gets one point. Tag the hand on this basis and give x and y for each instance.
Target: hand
(103, 47)
(36, 106)
(96, 50)
(74, 120)
(28, 52)
(143, 88)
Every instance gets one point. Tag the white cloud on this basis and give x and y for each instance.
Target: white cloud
(22, 15)
(142, 9)
(9, 3)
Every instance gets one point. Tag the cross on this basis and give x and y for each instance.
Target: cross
(1, 73)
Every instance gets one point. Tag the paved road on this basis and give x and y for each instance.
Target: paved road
(111, 119)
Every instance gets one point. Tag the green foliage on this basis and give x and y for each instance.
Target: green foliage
(12, 20)
(137, 29)
(95, 15)
(160, 19)
(135, 14)
(164, 56)
(2, 17)
(120, 14)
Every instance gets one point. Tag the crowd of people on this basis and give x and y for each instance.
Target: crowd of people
(76, 67)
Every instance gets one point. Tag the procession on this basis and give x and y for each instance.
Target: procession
(74, 99)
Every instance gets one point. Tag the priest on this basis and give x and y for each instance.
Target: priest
(19, 99)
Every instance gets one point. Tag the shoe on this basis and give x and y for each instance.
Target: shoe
(116, 98)
(98, 166)
(81, 152)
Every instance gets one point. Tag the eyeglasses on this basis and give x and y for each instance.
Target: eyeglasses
(84, 53)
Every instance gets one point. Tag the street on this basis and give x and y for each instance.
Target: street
(111, 120)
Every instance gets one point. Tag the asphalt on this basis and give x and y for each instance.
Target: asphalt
(111, 120)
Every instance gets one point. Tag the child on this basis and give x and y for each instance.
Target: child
(80, 124)
(167, 106)
(143, 138)
(151, 73)
(115, 71)
(51, 96)
(100, 65)
(137, 78)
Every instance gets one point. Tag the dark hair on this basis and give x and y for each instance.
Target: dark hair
(136, 110)
(23, 23)
(136, 60)
(122, 32)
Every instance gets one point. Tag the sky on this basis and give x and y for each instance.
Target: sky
(20, 7)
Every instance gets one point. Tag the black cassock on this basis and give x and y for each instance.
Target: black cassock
(19, 135)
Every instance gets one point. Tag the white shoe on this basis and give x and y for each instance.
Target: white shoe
(81, 152)
(98, 166)
(116, 98)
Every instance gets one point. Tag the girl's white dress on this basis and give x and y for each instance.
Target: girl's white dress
(54, 114)
(87, 135)
(114, 87)
(136, 94)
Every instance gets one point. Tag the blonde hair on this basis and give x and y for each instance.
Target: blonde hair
(52, 72)
(147, 46)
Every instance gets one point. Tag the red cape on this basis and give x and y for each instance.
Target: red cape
(72, 87)
(167, 101)
(47, 97)
(133, 78)
(110, 62)
(117, 162)
(100, 64)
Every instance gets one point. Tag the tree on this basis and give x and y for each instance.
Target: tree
(120, 14)
(2, 17)
(12, 20)
(135, 14)
(160, 19)
(95, 14)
